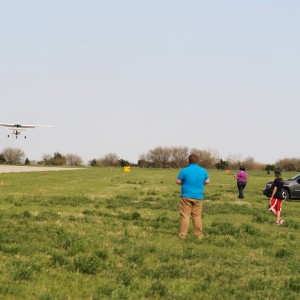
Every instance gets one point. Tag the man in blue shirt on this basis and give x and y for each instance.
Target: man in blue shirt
(192, 180)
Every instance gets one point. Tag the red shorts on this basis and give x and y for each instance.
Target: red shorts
(275, 204)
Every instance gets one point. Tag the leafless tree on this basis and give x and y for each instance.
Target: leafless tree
(142, 162)
(289, 164)
(109, 160)
(13, 156)
(179, 156)
(159, 157)
(207, 158)
(249, 163)
(74, 160)
(234, 161)
(46, 158)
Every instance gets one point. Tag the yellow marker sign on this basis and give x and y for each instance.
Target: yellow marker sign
(127, 169)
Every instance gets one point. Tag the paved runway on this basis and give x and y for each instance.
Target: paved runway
(12, 169)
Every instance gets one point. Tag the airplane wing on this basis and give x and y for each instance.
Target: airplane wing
(22, 126)
(32, 126)
(8, 125)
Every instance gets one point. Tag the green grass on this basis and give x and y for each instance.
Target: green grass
(105, 234)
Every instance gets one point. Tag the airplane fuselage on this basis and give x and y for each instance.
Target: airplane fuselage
(17, 131)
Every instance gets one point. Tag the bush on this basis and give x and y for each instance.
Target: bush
(2, 159)
(289, 164)
(87, 264)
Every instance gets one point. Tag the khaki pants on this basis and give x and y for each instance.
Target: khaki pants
(190, 207)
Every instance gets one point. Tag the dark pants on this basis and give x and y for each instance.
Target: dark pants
(241, 185)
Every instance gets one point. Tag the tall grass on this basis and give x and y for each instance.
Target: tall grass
(106, 234)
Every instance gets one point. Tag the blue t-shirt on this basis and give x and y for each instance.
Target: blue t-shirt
(193, 178)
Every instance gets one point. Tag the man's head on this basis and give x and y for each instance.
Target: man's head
(193, 159)
(242, 168)
(277, 173)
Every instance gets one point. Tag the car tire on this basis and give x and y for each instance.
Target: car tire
(285, 194)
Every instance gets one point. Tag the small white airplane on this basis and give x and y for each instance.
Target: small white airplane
(17, 128)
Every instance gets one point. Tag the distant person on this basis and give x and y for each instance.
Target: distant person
(241, 180)
(277, 197)
(192, 180)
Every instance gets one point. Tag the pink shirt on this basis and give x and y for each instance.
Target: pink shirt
(242, 176)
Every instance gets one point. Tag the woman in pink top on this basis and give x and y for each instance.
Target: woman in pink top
(241, 178)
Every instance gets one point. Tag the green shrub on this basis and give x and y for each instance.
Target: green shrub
(157, 290)
(23, 271)
(87, 264)
(293, 284)
(223, 228)
(283, 252)
(59, 260)
(26, 214)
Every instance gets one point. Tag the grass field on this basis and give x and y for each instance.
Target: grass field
(105, 234)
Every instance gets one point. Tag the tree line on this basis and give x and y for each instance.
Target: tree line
(158, 157)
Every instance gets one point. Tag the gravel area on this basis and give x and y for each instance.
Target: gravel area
(13, 169)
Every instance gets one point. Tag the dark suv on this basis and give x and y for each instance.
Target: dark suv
(291, 188)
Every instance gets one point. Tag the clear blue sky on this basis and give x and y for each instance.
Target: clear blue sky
(126, 76)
